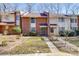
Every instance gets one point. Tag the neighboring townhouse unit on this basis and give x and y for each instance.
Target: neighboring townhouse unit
(43, 24)
(35, 22)
(8, 21)
(60, 22)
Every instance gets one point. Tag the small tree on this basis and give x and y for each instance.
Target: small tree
(68, 33)
(17, 30)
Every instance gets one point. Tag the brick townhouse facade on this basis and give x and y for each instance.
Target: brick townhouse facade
(35, 22)
(41, 23)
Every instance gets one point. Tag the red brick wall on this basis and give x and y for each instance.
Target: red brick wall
(38, 21)
(1, 29)
(78, 21)
(25, 25)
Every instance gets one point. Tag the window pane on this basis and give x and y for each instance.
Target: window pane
(32, 20)
(61, 28)
(72, 20)
(73, 28)
(61, 19)
(32, 29)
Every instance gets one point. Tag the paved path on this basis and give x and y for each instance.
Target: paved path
(53, 49)
(69, 44)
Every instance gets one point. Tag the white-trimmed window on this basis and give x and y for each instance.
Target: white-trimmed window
(33, 20)
(61, 19)
(33, 29)
(61, 28)
(73, 20)
(32, 24)
(73, 28)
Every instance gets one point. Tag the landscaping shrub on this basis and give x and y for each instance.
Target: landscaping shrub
(61, 33)
(67, 33)
(17, 30)
(32, 33)
(77, 32)
(25, 34)
(72, 33)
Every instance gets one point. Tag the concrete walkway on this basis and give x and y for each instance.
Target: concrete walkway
(53, 48)
(69, 45)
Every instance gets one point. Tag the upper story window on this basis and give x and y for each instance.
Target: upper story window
(73, 20)
(8, 18)
(17, 17)
(32, 20)
(61, 19)
(74, 28)
(61, 28)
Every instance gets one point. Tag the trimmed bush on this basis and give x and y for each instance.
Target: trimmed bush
(77, 32)
(25, 34)
(72, 33)
(32, 33)
(67, 33)
(61, 33)
(17, 30)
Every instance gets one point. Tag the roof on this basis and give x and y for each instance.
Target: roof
(4, 24)
(51, 15)
(34, 15)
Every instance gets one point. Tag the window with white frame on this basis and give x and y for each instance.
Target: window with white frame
(33, 29)
(32, 24)
(32, 20)
(73, 20)
(61, 19)
(73, 28)
(61, 28)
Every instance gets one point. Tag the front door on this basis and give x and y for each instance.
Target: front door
(53, 30)
(43, 31)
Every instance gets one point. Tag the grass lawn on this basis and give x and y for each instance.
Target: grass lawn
(30, 45)
(75, 42)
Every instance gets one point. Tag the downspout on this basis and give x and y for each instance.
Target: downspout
(48, 25)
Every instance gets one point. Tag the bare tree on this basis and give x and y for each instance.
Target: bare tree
(29, 7)
(56, 7)
(67, 7)
(74, 9)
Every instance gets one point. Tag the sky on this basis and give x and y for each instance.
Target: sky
(40, 7)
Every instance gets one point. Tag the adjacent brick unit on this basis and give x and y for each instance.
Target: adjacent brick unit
(40, 20)
(25, 24)
(78, 21)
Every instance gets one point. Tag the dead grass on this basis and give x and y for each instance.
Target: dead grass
(75, 42)
(31, 45)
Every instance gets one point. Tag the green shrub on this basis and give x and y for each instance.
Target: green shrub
(77, 32)
(67, 33)
(32, 33)
(72, 33)
(61, 33)
(25, 34)
(17, 30)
